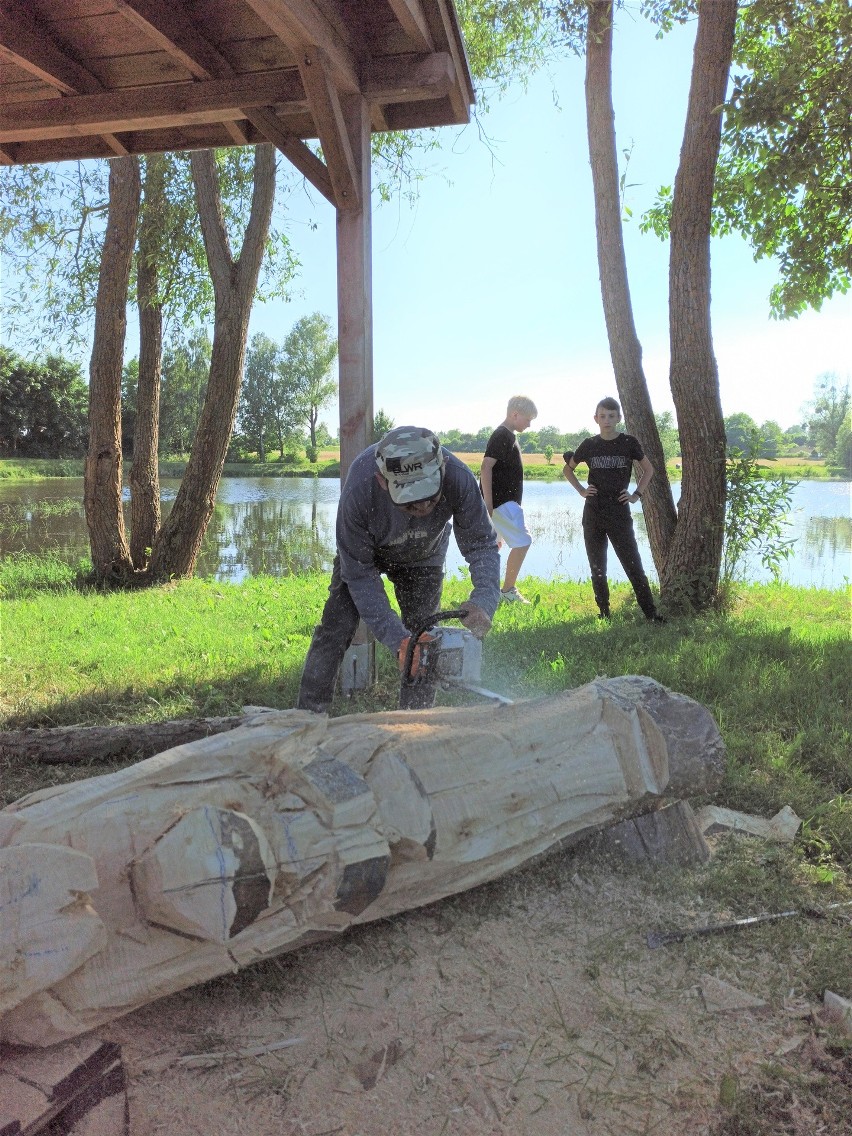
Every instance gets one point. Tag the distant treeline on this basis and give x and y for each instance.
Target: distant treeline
(44, 408)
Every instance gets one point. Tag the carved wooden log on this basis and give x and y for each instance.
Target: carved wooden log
(123, 888)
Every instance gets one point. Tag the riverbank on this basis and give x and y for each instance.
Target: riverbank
(773, 670)
(536, 468)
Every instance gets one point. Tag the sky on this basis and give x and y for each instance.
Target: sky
(487, 286)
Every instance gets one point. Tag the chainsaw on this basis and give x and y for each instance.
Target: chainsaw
(451, 658)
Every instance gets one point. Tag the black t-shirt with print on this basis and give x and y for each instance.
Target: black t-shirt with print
(507, 475)
(610, 464)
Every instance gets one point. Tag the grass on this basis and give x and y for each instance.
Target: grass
(774, 670)
(536, 467)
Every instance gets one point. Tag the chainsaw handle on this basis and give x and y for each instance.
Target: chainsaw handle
(416, 632)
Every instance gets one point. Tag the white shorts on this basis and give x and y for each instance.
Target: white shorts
(510, 526)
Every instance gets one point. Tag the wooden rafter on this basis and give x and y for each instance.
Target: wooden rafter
(412, 18)
(170, 29)
(394, 79)
(26, 44)
(405, 58)
(303, 23)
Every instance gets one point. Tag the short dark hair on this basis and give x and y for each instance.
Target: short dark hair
(608, 404)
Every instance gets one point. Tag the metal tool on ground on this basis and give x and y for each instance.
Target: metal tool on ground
(657, 939)
(450, 658)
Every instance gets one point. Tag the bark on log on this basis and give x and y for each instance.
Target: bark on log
(80, 745)
(123, 888)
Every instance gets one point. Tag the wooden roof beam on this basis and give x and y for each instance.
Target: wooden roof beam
(302, 157)
(325, 107)
(300, 24)
(411, 17)
(398, 78)
(179, 37)
(141, 108)
(26, 44)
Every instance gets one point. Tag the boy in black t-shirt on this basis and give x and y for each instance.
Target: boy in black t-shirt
(606, 514)
(501, 480)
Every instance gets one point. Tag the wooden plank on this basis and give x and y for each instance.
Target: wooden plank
(143, 107)
(167, 27)
(325, 108)
(411, 17)
(78, 1087)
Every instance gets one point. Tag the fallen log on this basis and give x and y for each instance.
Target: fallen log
(80, 745)
(123, 888)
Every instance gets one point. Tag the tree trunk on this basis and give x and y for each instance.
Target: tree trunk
(144, 472)
(293, 828)
(624, 346)
(102, 481)
(178, 542)
(691, 575)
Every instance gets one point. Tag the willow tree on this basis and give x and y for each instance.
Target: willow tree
(690, 577)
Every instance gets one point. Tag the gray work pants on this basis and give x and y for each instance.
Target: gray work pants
(418, 593)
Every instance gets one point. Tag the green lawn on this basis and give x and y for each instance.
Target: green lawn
(775, 671)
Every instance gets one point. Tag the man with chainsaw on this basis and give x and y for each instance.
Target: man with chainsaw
(400, 500)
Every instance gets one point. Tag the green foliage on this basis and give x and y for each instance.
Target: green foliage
(669, 437)
(843, 448)
(382, 424)
(305, 368)
(755, 516)
(43, 407)
(186, 369)
(784, 176)
(825, 414)
(52, 220)
(548, 454)
(257, 413)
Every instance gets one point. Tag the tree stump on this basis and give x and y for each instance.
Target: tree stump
(123, 888)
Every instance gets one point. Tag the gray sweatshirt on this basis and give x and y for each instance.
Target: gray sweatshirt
(373, 533)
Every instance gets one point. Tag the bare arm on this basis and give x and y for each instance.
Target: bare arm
(646, 472)
(570, 476)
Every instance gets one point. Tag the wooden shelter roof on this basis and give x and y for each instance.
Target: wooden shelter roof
(100, 78)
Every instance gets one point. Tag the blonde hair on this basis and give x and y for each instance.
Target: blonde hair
(523, 405)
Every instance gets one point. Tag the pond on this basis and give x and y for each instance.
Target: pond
(283, 526)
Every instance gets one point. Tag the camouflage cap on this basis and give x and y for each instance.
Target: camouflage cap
(410, 458)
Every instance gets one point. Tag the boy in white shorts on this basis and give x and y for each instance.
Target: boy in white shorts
(501, 480)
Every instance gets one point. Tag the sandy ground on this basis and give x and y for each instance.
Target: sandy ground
(529, 1006)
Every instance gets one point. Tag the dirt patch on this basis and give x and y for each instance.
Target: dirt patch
(532, 1005)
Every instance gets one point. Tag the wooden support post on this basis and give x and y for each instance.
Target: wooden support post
(355, 318)
(355, 295)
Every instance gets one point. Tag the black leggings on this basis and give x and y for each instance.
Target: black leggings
(614, 524)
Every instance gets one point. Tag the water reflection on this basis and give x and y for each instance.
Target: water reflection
(282, 527)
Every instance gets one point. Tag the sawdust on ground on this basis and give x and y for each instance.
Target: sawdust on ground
(528, 1006)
